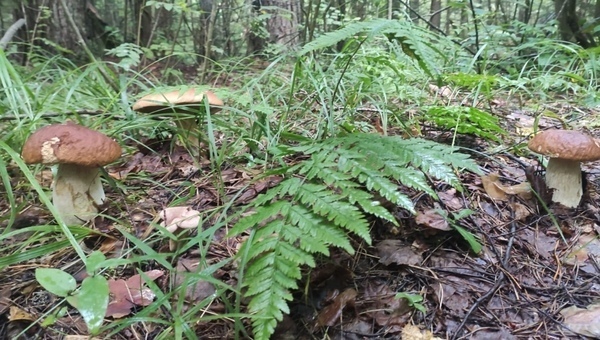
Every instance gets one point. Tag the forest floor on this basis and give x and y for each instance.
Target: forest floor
(535, 262)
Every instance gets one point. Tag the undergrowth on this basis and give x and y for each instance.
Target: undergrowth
(328, 198)
(325, 199)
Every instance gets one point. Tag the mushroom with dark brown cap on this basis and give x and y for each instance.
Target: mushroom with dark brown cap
(566, 149)
(186, 102)
(79, 152)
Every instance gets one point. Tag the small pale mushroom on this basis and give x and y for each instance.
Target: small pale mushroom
(178, 219)
(184, 104)
(566, 149)
(79, 152)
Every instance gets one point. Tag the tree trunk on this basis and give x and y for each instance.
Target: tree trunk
(464, 20)
(568, 23)
(436, 16)
(59, 29)
(281, 25)
(524, 14)
(414, 5)
(448, 21)
(143, 20)
(341, 6)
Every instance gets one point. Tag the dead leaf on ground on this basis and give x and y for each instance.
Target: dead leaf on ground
(413, 332)
(257, 188)
(498, 191)
(583, 321)
(200, 289)
(432, 219)
(387, 311)
(331, 313)
(544, 245)
(5, 302)
(18, 314)
(521, 211)
(128, 294)
(397, 252)
(450, 199)
(587, 246)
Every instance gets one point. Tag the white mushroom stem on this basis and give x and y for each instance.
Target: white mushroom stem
(77, 192)
(564, 176)
(189, 130)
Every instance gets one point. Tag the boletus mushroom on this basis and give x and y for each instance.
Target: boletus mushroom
(184, 104)
(79, 152)
(566, 150)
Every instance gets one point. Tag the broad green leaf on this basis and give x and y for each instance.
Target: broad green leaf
(470, 238)
(94, 261)
(56, 281)
(92, 301)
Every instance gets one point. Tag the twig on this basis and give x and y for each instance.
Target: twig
(10, 32)
(499, 280)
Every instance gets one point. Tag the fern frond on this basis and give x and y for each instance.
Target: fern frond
(416, 42)
(325, 198)
(332, 38)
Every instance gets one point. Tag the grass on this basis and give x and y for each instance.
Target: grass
(283, 104)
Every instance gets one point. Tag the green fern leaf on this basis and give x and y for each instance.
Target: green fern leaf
(325, 197)
(319, 234)
(332, 38)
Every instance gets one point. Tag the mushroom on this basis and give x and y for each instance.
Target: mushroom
(566, 149)
(79, 152)
(177, 219)
(185, 102)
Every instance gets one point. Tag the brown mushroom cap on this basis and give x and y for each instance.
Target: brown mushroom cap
(566, 144)
(70, 143)
(163, 102)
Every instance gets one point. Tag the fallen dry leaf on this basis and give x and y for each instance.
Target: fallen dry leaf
(492, 187)
(521, 211)
(200, 289)
(5, 302)
(397, 252)
(498, 191)
(128, 294)
(413, 332)
(587, 246)
(450, 200)
(430, 218)
(583, 321)
(387, 311)
(331, 313)
(17, 314)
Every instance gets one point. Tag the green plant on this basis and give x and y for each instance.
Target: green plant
(466, 120)
(414, 300)
(453, 219)
(91, 300)
(417, 43)
(323, 199)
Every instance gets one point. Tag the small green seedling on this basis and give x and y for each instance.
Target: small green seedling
(91, 300)
(414, 301)
(467, 235)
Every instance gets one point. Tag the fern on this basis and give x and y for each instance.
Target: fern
(417, 43)
(466, 120)
(323, 200)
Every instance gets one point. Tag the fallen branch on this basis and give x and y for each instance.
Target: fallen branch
(11, 31)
